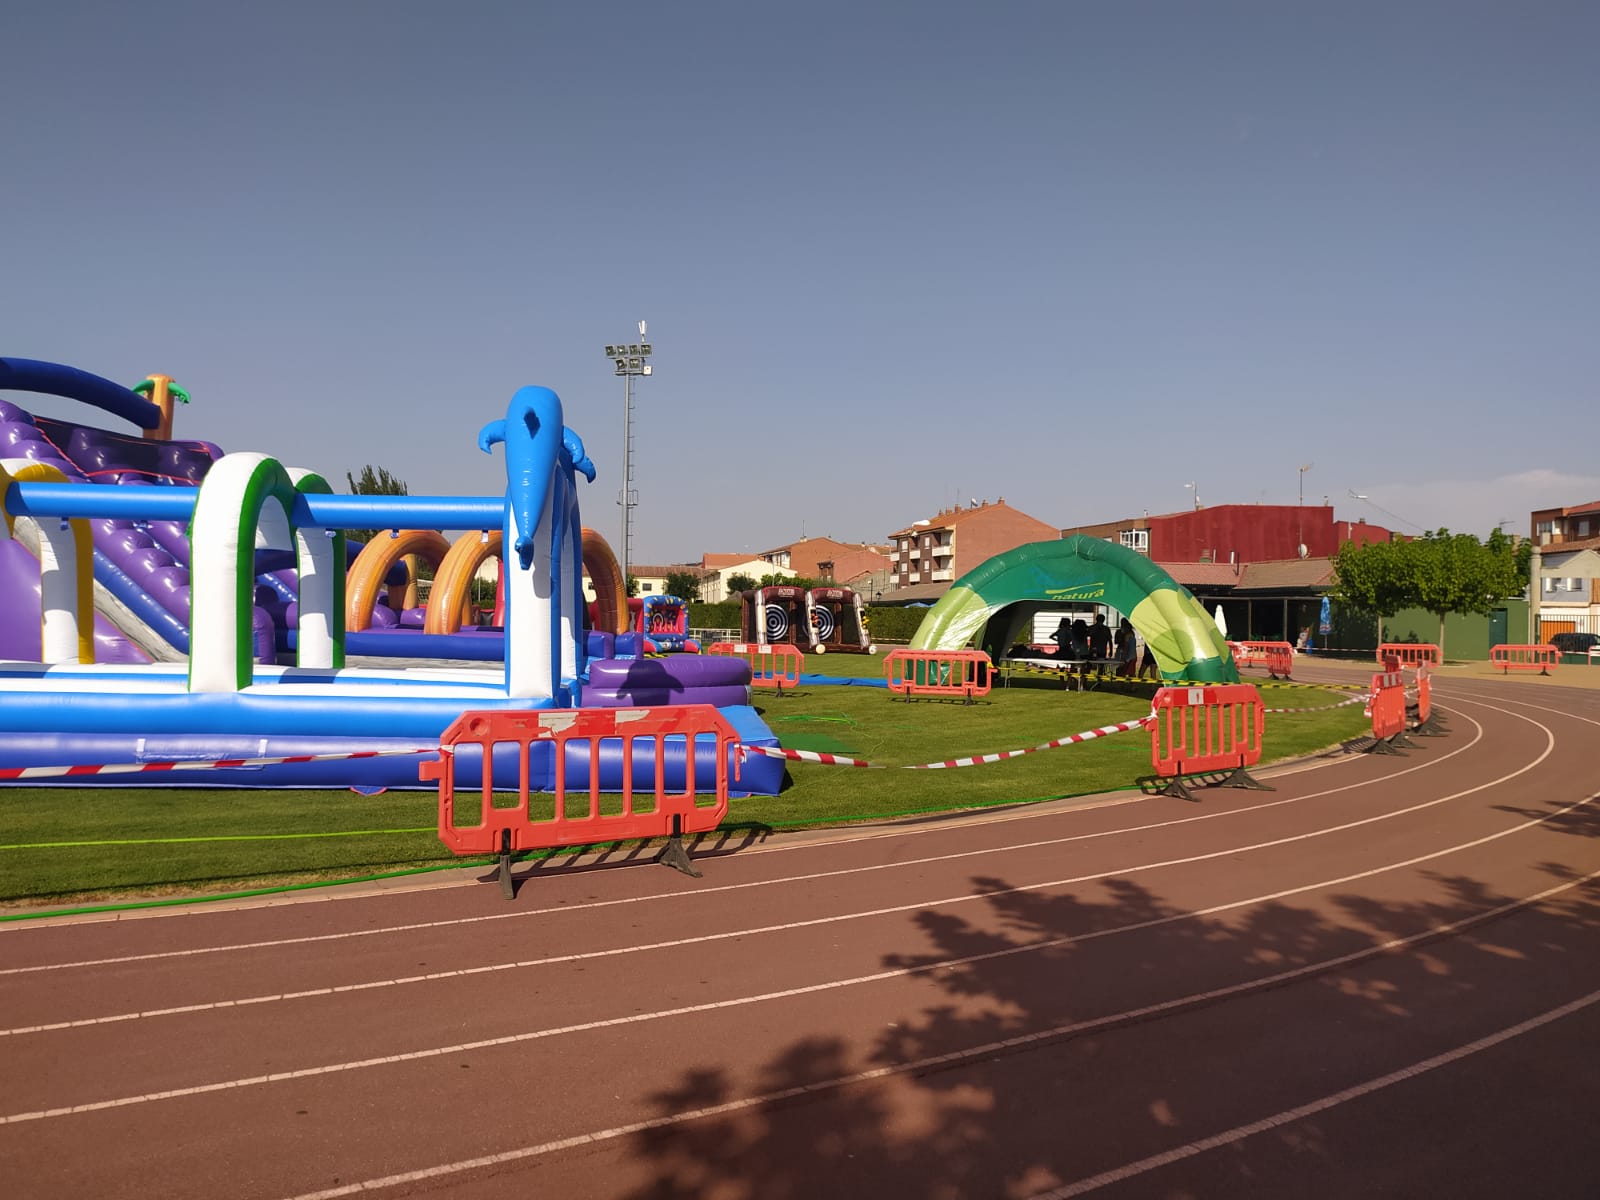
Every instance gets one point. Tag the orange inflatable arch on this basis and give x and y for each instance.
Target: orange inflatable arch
(373, 563)
(451, 601)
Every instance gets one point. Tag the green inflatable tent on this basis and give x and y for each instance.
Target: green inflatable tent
(996, 600)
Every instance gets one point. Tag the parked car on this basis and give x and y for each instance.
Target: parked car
(1575, 643)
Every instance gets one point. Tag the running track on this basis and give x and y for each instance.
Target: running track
(1382, 979)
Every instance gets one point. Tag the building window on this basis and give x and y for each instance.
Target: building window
(1136, 539)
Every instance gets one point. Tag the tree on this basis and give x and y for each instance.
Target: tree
(683, 584)
(799, 581)
(1440, 572)
(1371, 577)
(374, 482)
(1456, 573)
(739, 583)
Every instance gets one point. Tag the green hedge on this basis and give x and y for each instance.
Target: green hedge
(725, 615)
(893, 623)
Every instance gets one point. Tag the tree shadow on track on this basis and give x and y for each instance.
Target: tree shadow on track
(1014, 1078)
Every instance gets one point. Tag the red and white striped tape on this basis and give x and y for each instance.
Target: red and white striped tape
(192, 764)
(1362, 699)
(839, 760)
(1086, 736)
(828, 760)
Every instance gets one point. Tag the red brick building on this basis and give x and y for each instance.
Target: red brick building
(1237, 533)
(944, 547)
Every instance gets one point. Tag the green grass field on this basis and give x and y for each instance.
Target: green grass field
(62, 847)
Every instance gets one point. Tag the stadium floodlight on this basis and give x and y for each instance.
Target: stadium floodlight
(628, 361)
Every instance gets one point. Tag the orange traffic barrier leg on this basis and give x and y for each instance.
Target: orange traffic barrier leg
(1427, 728)
(1240, 778)
(1432, 727)
(1176, 789)
(508, 889)
(675, 855)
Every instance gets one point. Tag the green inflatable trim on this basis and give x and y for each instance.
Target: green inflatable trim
(1078, 572)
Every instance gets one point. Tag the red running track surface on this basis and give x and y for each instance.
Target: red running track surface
(1381, 979)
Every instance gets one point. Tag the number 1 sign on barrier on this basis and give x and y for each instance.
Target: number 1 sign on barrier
(645, 743)
(1207, 730)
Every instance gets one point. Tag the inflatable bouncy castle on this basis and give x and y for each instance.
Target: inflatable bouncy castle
(663, 621)
(96, 551)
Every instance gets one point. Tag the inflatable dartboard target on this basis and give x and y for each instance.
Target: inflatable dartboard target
(777, 621)
(822, 623)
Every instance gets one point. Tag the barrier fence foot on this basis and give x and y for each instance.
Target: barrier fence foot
(508, 890)
(1243, 779)
(1177, 790)
(675, 856)
(1384, 746)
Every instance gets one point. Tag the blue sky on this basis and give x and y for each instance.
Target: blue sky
(893, 256)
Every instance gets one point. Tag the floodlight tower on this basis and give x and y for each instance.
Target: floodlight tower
(628, 360)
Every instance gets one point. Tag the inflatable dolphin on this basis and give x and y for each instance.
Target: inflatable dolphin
(534, 438)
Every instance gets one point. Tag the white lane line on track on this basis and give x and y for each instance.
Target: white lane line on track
(959, 1057)
(785, 880)
(907, 972)
(782, 927)
(1239, 1132)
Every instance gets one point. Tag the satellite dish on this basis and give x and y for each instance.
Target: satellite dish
(1303, 551)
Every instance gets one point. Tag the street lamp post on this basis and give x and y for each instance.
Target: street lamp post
(1300, 524)
(629, 361)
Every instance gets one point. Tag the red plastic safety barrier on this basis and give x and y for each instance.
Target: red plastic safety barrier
(1201, 730)
(1276, 657)
(1542, 659)
(773, 666)
(1387, 706)
(965, 673)
(1424, 698)
(1409, 654)
(638, 737)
